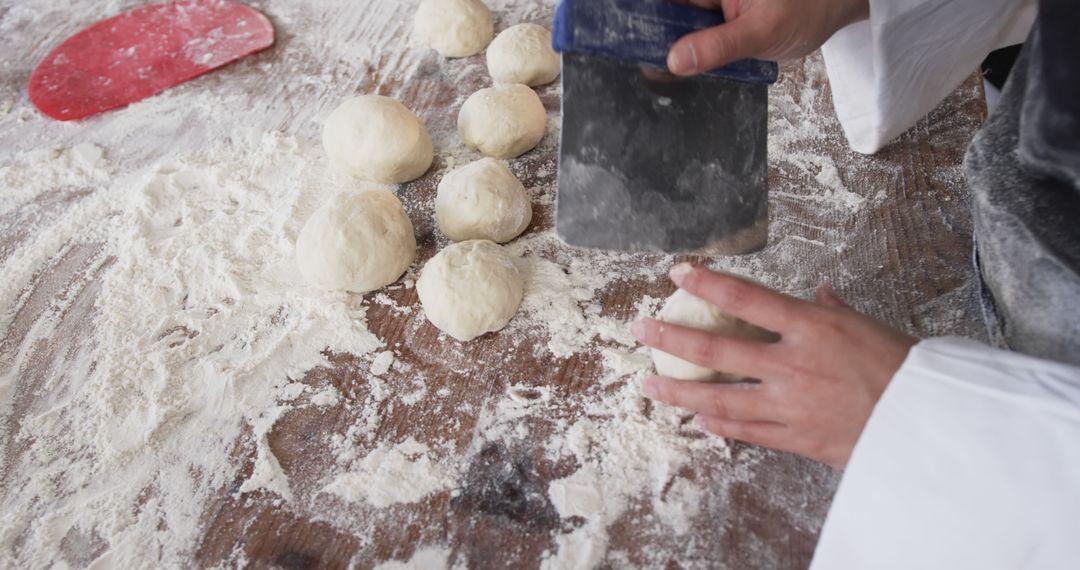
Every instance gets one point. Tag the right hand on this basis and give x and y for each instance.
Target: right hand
(818, 385)
(762, 29)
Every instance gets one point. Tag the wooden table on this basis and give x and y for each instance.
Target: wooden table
(890, 232)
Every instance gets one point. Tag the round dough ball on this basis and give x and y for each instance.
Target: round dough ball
(356, 242)
(470, 288)
(376, 138)
(454, 28)
(523, 54)
(482, 200)
(504, 121)
(684, 309)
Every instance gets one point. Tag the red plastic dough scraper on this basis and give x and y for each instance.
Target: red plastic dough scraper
(142, 52)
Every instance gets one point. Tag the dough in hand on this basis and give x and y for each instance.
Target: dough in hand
(482, 200)
(454, 28)
(523, 54)
(504, 121)
(377, 139)
(470, 289)
(356, 242)
(684, 309)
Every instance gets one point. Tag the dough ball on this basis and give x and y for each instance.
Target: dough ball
(684, 309)
(454, 28)
(523, 54)
(376, 138)
(356, 242)
(482, 200)
(470, 288)
(504, 121)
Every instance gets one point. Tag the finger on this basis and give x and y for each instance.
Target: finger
(743, 402)
(715, 47)
(765, 434)
(724, 354)
(827, 297)
(740, 298)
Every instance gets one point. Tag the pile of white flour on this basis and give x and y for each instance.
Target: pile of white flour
(201, 331)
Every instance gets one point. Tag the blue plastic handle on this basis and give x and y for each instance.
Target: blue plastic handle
(642, 32)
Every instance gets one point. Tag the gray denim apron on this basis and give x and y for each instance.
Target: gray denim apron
(1024, 171)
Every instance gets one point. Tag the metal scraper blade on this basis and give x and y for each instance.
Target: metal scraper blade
(654, 163)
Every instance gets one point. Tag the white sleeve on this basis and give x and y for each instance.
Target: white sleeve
(970, 460)
(889, 71)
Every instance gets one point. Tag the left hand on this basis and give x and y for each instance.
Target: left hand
(819, 382)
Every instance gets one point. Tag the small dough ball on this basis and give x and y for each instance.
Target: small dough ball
(470, 288)
(357, 242)
(377, 139)
(482, 200)
(684, 309)
(523, 54)
(504, 121)
(454, 28)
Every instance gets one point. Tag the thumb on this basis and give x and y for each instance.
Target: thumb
(715, 47)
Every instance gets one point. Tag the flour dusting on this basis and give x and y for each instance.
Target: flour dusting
(414, 472)
(428, 558)
(198, 320)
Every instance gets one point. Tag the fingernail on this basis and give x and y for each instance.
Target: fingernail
(650, 390)
(637, 329)
(701, 422)
(679, 272)
(683, 59)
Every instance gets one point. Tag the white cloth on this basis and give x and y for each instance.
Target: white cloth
(891, 70)
(971, 460)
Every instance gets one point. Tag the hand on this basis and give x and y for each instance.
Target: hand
(762, 29)
(819, 382)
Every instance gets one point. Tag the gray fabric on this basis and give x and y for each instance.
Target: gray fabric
(1024, 170)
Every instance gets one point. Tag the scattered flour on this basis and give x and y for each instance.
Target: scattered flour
(328, 396)
(797, 142)
(267, 474)
(198, 316)
(414, 474)
(292, 391)
(560, 296)
(427, 558)
(624, 456)
(382, 363)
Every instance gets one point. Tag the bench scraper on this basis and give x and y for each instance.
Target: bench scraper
(649, 162)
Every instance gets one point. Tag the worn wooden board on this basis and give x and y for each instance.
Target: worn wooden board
(892, 232)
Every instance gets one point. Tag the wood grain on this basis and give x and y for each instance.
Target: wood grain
(903, 256)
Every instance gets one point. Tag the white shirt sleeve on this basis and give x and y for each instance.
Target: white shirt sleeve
(891, 70)
(970, 460)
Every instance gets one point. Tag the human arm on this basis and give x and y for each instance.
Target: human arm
(889, 62)
(966, 456)
(970, 460)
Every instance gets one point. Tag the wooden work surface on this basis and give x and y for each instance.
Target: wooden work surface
(891, 232)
